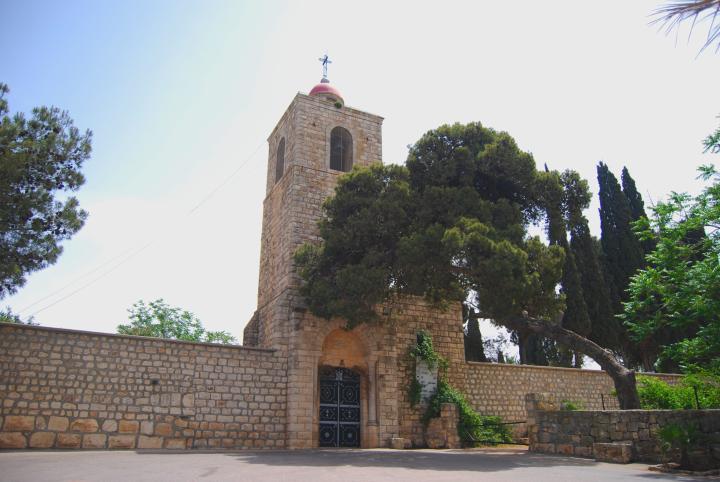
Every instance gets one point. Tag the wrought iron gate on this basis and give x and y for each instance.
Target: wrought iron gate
(339, 407)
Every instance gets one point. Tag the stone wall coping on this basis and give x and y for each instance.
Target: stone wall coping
(684, 411)
(579, 370)
(68, 331)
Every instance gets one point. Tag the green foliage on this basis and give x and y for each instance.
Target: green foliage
(414, 392)
(570, 405)
(472, 427)
(474, 349)
(424, 350)
(677, 297)
(576, 198)
(682, 437)
(40, 162)
(158, 319)
(712, 142)
(622, 252)
(450, 224)
(451, 227)
(559, 216)
(655, 394)
(7, 316)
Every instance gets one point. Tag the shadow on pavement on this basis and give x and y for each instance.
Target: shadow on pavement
(445, 460)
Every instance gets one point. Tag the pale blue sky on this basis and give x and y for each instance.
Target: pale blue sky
(179, 94)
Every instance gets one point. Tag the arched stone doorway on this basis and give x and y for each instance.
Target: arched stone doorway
(345, 400)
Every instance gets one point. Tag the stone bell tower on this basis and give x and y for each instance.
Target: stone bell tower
(345, 388)
(317, 139)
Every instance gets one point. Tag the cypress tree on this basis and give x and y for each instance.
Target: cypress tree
(622, 251)
(474, 350)
(575, 317)
(622, 255)
(604, 328)
(637, 206)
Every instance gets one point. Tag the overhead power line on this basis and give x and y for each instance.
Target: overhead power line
(134, 252)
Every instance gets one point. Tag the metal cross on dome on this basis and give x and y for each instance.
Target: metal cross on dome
(325, 61)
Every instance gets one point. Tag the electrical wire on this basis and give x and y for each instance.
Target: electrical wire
(137, 251)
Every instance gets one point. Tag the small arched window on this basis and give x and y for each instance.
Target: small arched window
(280, 160)
(341, 149)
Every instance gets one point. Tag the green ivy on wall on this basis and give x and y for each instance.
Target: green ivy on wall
(473, 428)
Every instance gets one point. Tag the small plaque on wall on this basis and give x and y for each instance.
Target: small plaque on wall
(427, 379)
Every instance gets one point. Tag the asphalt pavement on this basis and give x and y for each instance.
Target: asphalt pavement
(315, 465)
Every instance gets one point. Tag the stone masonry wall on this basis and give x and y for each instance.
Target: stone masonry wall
(445, 327)
(73, 389)
(500, 389)
(577, 432)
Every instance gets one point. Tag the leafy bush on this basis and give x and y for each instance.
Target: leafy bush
(656, 394)
(570, 405)
(472, 427)
(424, 350)
(414, 392)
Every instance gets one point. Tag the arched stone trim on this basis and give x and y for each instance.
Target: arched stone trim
(355, 350)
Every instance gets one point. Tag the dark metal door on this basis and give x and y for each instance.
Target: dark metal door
(339, 407)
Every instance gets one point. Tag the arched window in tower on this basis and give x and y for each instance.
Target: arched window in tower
(341, 149)
(280, 162)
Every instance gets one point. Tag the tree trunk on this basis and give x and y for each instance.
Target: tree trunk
(623, 378)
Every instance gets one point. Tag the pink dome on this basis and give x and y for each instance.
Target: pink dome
(326, 90)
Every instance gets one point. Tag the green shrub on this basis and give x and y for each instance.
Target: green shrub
(414, 392)
(570, 405)
(424, 350)
(656, 394)
(472, 427)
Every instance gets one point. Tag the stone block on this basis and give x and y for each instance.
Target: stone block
(564, 449)
(188, 400)
(435, 436)
(58, 424)
(614, 452)
(12, 440)
(42, 440)
(399, 443)
(94, 441)
(175, 443)
(145, 442)
(84, 425)
(19, 423)
(121, 442)
(146, 427)
(40, 423)
(163, 429)
(128, 426)
(583, 451)
(68, 440)
(543, 448)
(109, 426)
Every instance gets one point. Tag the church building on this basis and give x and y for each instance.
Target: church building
(298, 381)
